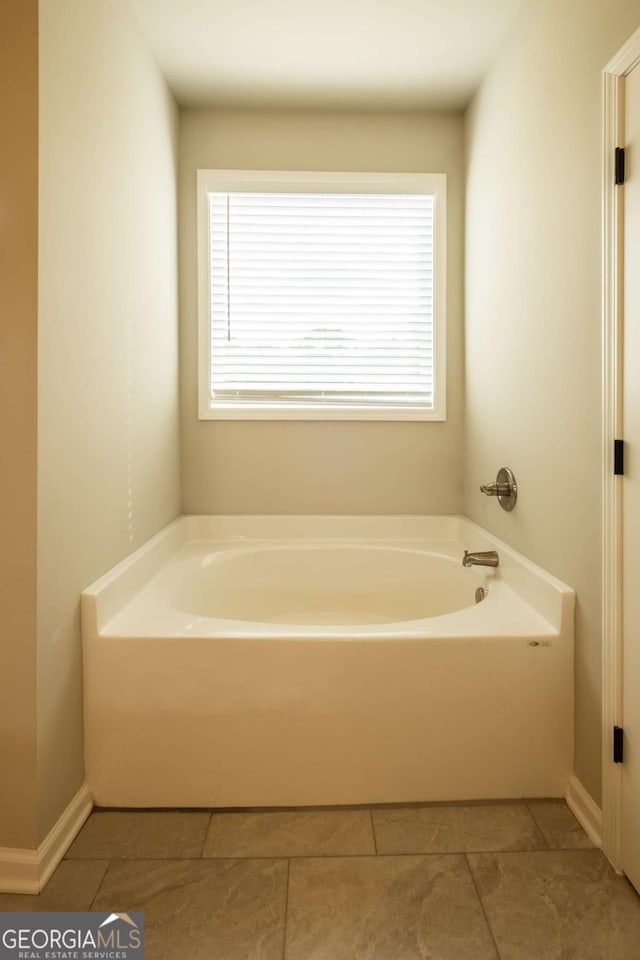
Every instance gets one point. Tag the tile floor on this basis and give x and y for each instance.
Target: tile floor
(486, 881)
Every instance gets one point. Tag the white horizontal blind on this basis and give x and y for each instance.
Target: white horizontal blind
(322, 299)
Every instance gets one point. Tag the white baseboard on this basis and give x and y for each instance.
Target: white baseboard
(27, 871)
(585, 809)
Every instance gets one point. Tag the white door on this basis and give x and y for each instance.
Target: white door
(631, 486)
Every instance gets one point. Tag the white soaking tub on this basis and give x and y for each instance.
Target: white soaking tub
(280, 661)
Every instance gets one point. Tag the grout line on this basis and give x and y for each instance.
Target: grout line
(286, 912)
(482, 907)
(342, 856)
(373, 830)
(104, 876)
(538, 827)
(99, 809)
(303, 808)
(206, 836)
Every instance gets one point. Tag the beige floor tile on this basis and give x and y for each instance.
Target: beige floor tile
(385, 908)
(311, 833)
(202, 909)
(145, 834)
(456, 829)
(559, 826)
(72, 887)
(558, 905)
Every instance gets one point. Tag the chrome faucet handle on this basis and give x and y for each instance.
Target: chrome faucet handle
(496, 489)
(491, 489)
(504, 487)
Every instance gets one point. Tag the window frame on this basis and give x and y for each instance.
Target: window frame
(288, 181)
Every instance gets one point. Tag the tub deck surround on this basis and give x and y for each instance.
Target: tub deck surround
(280, 661)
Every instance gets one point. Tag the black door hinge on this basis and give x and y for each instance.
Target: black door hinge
(618, 749)
(620, 165)
(618, 458)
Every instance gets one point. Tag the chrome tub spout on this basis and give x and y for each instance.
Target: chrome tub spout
(481, 558)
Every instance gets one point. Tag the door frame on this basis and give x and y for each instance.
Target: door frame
(612, 347)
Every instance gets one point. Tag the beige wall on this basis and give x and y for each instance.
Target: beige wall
(304, 466)
(108, 400)
(18, 391)
(533, 323)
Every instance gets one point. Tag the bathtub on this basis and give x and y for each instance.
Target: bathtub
(285, 661)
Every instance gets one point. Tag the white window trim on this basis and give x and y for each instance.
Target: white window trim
(283, 181)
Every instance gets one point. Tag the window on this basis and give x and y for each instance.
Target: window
(321, 296)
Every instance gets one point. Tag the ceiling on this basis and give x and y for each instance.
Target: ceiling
(325, 54)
